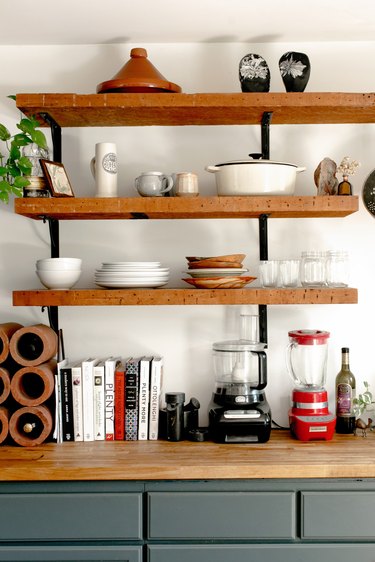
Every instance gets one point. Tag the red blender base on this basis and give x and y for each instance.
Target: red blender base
(309, 417)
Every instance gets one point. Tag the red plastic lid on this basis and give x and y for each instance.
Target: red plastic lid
(309, 337)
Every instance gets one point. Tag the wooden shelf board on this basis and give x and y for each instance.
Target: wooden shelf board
(108, 110)
(72, 208)
(155, 297)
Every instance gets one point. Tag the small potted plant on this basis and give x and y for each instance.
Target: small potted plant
(15, 167)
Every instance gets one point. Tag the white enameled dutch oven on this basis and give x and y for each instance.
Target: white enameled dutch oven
(255, 177)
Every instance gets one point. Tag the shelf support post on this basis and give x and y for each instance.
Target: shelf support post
(263, 255)
(265, 130)
(53, 317)
(56, 136)
(53, 224)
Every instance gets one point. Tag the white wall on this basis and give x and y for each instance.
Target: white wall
(184, 335)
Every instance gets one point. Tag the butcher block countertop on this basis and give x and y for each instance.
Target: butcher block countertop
(346, 456)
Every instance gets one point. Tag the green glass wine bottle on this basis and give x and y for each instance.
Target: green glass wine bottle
(345, 394)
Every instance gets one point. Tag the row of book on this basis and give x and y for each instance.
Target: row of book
(108, 400)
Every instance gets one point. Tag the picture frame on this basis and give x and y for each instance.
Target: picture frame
(58, 181)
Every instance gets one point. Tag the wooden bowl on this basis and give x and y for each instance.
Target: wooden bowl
(235, 282)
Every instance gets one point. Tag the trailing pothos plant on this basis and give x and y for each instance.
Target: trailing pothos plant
(14, 166)
(363, 400)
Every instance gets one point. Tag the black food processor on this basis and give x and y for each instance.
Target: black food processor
(239, 411)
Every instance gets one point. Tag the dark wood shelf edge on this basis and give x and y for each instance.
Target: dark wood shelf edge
(178, 297)
(133, 208)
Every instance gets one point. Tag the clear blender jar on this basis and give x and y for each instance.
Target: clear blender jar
(306, 358)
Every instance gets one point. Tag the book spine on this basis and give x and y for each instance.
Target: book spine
(143, 398)
(119, 405)
(67, 404)
(131, 401)
(155, 391)
(88, 401)
(109, 401)
(77, 403)
(99, 407)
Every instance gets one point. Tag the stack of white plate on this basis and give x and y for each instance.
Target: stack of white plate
(128, 274)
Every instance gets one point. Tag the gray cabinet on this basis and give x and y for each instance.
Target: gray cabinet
(337, 515)
(71, 516)
(262, 553)
(205, 521)
(221, 515)
(69, 553)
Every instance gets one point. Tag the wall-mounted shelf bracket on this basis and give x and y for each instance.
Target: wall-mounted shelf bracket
(56, 136)
(53, 225)
(263, 255)
(265, 129)
(53, 317)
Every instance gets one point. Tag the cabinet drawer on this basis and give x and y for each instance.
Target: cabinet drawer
(338, 515)
(78, 516)
(71, 553)
(262, 553)
(221, 515)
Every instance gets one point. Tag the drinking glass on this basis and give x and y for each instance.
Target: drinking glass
(269, 272)
(289, 273)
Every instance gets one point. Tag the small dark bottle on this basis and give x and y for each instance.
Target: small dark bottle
(344, 187)
(345, 394)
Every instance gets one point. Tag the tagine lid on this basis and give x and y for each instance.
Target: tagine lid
(138, 75)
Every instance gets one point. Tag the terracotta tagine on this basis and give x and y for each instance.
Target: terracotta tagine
(138, 75)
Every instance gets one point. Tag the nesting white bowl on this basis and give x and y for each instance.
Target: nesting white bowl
(59, 264)
(55, 279)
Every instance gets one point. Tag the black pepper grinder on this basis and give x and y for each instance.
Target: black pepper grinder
(175, 415)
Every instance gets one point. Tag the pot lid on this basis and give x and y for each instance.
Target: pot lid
(138, 75)
(256, 162)
(309, 337)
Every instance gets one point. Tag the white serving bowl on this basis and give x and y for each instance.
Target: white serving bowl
(59, 264)
(59, 279)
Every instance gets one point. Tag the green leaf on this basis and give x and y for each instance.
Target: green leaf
(26, 125)
(24, 165)
(34, 121)
(17, 191)
(20, 182)
(12, 97)
(21, 140)
(14, 170)
(3, 171)
(14, 153)
(40, 139)
(4, 133)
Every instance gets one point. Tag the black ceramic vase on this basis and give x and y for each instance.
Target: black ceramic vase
(295, 71)
(254, 74)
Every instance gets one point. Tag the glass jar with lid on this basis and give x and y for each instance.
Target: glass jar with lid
(313, 269)
(337, 268)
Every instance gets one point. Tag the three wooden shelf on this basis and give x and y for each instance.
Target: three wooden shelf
(118, 110)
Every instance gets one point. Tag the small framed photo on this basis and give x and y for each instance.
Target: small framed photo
(57, 178)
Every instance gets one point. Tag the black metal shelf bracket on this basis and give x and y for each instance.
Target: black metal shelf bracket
(263, 255)
(265, 130)
(53, 224)
(53, 317)
(54, 233)
(56, 136)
